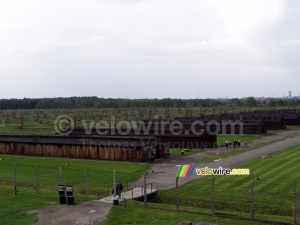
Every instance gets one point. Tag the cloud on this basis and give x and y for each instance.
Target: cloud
(291, 42)
(274, 70)
(42, 46)
(214, 45)
(125, 45)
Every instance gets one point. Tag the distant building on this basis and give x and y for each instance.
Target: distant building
(290, 94)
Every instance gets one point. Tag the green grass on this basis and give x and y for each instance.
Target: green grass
(100, 172)
(13, 208)
(293, 127)
(273, 192)
(136, 214)
(272, 132)
(177, 152)
(238, 151)
(222, 138)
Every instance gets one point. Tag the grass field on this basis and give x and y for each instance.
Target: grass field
(177, 151)
(293, 127)
(136, 214)
(222, 138)
(100, 175)
(273, 192)
(41, 121)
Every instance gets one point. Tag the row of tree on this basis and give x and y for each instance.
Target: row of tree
(90, 102)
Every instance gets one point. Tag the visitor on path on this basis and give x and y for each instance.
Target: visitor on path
(119, 189)
(226, 143)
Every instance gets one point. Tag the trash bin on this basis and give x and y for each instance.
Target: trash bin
(70, 195)
(70, 200)
(116, 200)
(61, 194)
(62, 199)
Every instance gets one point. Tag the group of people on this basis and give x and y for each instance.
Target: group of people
(236, 143)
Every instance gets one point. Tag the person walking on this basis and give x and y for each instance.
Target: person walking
(119, 189)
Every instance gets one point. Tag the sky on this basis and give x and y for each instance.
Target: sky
(149, 48)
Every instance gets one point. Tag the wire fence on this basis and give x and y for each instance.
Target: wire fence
(47, 178)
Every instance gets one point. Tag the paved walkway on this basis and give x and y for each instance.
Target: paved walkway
(135, 193)
(165, 171)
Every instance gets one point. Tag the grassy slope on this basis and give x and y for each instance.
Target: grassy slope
(136, 214)
(273, 191)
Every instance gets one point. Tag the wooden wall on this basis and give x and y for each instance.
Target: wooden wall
(140, 154)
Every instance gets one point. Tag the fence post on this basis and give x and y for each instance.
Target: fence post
(86, 184)
(127, 186)
(60, 175)
(132, 193)
(124, 201)
(37, 186)
(295, 206)
(145, 189)
(252, 202)
(114, 182)
(15, 178)
(213, 203)
(177, 195)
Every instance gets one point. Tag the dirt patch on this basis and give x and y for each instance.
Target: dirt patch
(87, 213)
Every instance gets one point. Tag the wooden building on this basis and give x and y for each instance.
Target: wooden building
(181, 138)
(127, 148)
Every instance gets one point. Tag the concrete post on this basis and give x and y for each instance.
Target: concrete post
(145, 189)
(213, 203)
(114, 183)
(60, 175)
(37, 186)
(177, 195)
(295, 206)
(15, 178)
(252, 202)
(86, 184)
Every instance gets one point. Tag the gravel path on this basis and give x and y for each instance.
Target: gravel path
(165, 170)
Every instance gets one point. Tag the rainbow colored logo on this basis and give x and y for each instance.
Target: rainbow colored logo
(186, 171)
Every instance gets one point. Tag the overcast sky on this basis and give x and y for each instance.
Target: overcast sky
(149, 48)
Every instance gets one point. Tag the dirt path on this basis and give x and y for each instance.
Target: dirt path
(165, 170)
(87, 213)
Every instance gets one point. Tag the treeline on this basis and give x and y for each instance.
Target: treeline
(95, 102)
